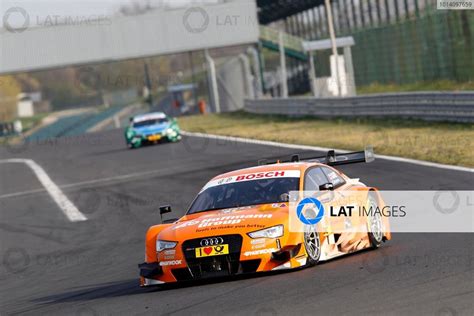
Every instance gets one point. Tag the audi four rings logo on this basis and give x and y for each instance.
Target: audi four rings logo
(211, 241)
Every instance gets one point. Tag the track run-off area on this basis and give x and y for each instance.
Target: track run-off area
(53, 265)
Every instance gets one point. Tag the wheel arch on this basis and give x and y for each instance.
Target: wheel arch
(380, 201)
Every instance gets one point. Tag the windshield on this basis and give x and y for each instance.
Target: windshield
(244, 194)
(150, 122)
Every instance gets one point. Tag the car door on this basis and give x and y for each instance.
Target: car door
(350, 226)
(315, 178)
(339, 223)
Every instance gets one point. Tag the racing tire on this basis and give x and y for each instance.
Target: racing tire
(374, 225)
(312, 245)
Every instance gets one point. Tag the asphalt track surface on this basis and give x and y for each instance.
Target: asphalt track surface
(52, 266)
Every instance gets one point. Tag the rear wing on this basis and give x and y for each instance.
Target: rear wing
(331, 158)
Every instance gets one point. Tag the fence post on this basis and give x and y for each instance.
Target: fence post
(352, 91)
(284, 82)
(247, 76)
(312, 74)
(333, 43)
(256, 70)
(213, 81)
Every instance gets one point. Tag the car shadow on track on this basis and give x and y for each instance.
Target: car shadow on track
(124, 149)
(131, 287)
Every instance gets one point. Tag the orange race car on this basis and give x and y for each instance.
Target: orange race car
(240, 223)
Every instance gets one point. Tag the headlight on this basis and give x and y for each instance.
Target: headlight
(170, 131)
(272, 232)
(130, 133)
(163, 245)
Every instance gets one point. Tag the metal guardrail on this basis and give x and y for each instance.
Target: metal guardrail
(432, 106)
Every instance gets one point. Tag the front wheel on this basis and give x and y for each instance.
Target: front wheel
(312, 245)
(131, 146)
(175, 139)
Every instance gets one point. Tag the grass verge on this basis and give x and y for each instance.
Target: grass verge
(439, 85)
(32, 122)
(430, 141)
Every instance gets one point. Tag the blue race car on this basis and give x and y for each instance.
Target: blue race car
(151, 128)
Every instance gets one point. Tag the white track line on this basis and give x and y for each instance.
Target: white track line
(97, 181)
(68, 208)
(315, 148)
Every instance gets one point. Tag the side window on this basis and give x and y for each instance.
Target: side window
(333, 177)
(314, 178)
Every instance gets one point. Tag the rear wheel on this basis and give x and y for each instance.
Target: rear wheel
(312, 245)
(375, 225)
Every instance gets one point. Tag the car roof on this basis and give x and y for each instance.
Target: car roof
(149, 116)
(297, 166)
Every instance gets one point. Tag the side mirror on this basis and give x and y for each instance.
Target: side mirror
(163, 210)
(326, 187)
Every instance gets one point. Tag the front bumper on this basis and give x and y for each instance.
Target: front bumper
(150, 270)
(239, 260)
(137, 141)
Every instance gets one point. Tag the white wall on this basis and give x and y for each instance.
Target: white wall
(162, 31)
(25, 108)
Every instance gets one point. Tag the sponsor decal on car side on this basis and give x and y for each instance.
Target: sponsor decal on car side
(171, 263)
(232, 210)
(169, 254)
(259, 252)
(222, 220)
(258, 243)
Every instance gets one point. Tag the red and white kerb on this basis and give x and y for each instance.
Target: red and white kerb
(252, 177)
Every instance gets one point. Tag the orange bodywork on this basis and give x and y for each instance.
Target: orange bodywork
(255, 254)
